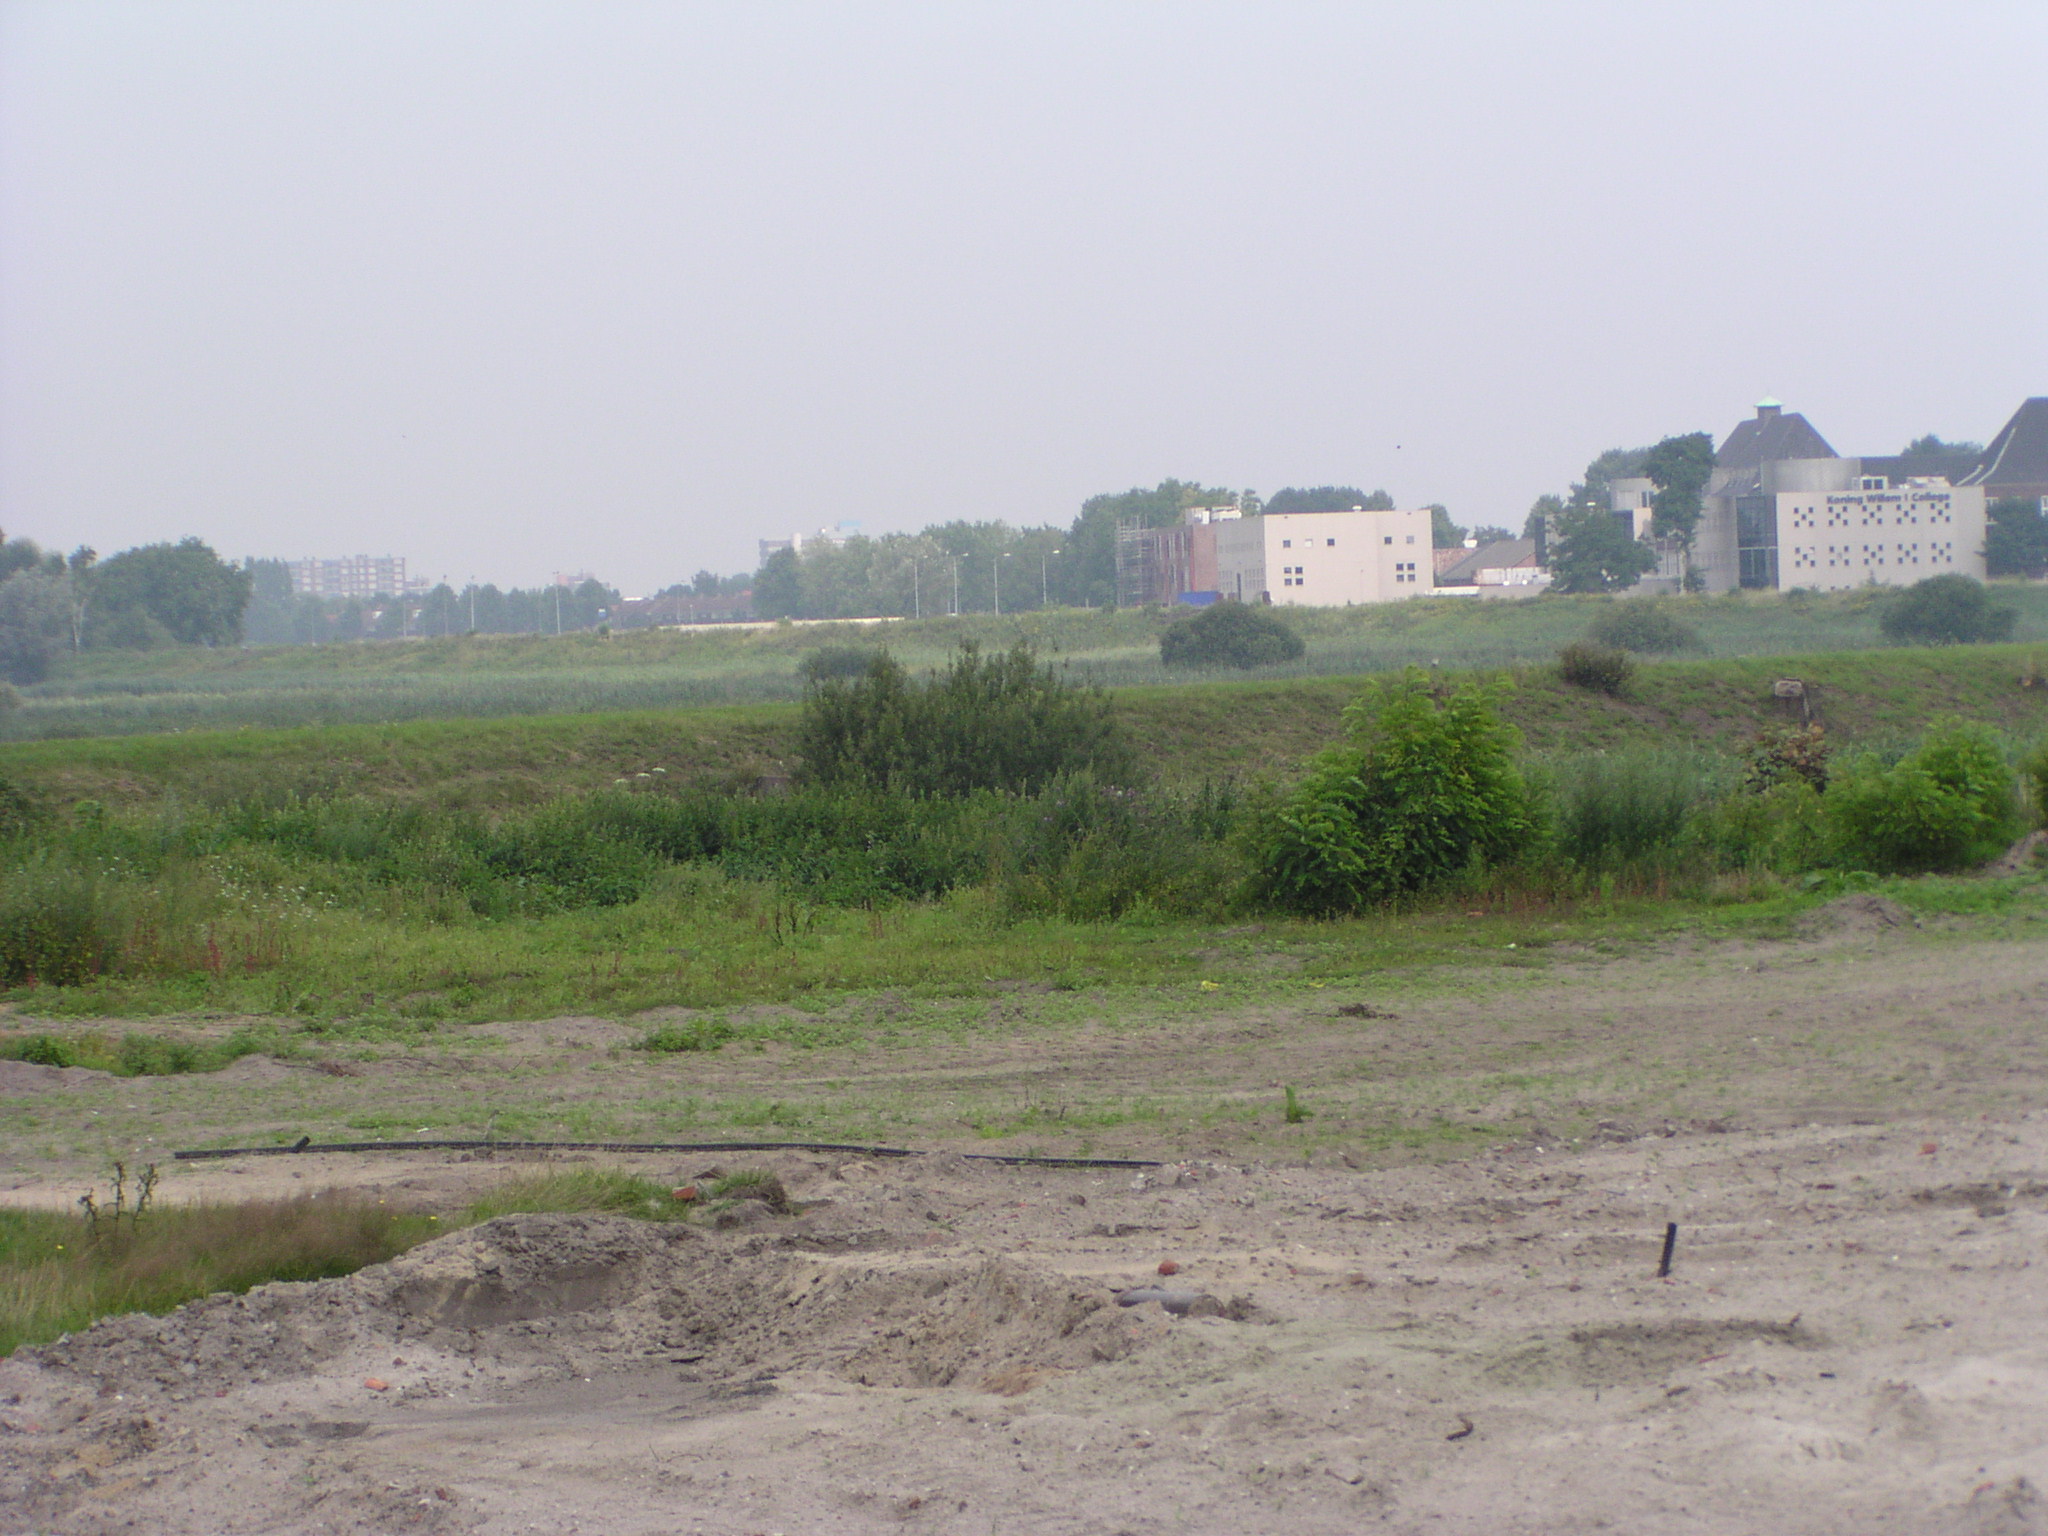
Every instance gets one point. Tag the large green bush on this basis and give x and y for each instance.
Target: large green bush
(1945, 610)
(998, 721)
(1422, 790)
(1230, 634)
(1947, 805)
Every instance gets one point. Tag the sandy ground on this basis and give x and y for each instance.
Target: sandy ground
(1852, 1338)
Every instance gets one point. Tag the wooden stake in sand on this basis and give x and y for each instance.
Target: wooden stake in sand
(1670, 1244)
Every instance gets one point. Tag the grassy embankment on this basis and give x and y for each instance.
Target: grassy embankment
(104, 693)
(354, 956)
(1211, 728)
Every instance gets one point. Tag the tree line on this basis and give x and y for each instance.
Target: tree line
(159, 594)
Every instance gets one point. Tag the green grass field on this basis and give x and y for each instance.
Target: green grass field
(1216, 728)
(122, 693)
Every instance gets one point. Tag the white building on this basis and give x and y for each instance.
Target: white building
(1325, 559)
(1783, 510)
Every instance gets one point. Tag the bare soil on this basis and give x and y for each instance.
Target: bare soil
(1850, 1130)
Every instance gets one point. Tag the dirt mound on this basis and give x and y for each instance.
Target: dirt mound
(1859, 913)
(570, 1295)
(992, 1325)
(30, 1077)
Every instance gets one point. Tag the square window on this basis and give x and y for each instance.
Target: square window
(1411, 538)
(1287, 543)
(1390, 538)
(1332, 543)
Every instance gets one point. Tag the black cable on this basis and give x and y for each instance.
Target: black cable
(304, 1145)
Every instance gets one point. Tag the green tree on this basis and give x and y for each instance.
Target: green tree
(1421, 790)
(35, 616)
(1680, 468)
(1945, 610)
(1597, 488)
(181, 593)
(27, 555)
(1328, 498)
(1929, 455)
(1443, 533)
(2016, 537)
(1229, 634)
(1594, 552)
(779, 586)
(1491, 533)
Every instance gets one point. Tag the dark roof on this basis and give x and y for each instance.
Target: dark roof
(1501, 554)
(2017, 459)
(1771, 435)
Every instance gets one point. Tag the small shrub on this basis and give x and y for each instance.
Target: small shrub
(1945, 610)
(1230, 634)
(1779, 757)
(135, 1054)
(42, 1050)
(1293, 1111)
(1947, 805)
(1595, 668)
(696, 1035)
(1645, 625)
(1422, 791)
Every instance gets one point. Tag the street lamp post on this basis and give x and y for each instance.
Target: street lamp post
(997, 566)
(1044, 600)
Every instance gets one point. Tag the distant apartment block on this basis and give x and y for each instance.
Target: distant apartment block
(351, 576)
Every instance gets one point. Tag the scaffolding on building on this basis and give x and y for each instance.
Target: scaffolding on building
(1136, 553)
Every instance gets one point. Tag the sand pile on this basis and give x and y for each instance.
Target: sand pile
(571, 1295)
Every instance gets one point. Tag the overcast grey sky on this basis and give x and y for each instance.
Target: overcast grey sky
(514, 286)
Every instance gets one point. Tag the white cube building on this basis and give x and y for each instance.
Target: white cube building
(1325, 559)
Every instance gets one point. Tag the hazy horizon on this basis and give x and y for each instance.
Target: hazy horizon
(514, 287)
